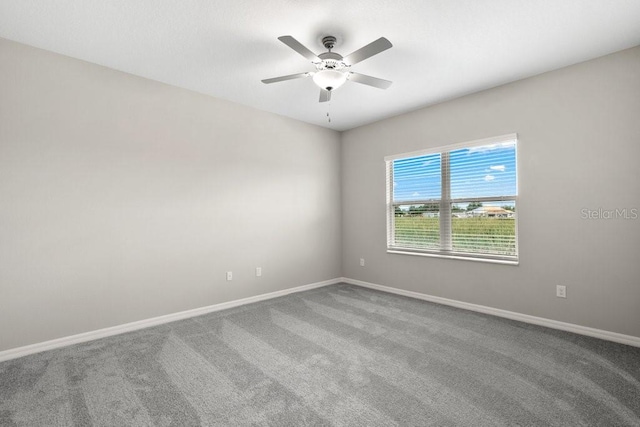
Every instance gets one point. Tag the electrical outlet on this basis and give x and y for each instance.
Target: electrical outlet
(561, 291)
(229, 275)
(361, 262)
(258, 271)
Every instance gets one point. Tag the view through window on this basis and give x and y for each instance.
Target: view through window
(456, 201)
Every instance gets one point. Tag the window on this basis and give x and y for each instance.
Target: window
(457, 201)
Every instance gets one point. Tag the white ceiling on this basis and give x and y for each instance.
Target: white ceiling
(442, 48)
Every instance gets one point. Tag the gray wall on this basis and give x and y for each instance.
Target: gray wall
(124, 199)
(579, 148)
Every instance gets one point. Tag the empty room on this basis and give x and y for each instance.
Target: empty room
(320, 213)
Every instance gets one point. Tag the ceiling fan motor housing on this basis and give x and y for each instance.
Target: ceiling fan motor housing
(330, 61)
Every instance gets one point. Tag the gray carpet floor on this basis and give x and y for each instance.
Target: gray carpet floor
(338, 355)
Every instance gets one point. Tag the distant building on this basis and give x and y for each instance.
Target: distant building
(431, 214)
(490, 212)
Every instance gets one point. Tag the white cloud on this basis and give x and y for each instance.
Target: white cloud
(415, 194)
(491, 147)
(497, 168)
(489, 178)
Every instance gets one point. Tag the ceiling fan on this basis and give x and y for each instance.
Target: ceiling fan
(332, 69)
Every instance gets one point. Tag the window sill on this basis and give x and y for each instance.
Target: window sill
(456, 256)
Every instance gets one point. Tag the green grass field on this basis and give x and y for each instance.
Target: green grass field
(486, 235)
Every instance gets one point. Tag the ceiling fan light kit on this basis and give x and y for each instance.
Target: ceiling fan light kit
(332, 69)
(329, 79)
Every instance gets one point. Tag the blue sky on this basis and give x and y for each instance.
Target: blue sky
(483, 171)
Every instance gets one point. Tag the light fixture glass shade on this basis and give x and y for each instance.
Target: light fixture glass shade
(329, 79)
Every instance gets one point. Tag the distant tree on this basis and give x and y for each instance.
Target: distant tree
(427, 207)
(416, 210)
(474, 205)
(509, 208)
(431, 207)
(456, 208)
(399, 212)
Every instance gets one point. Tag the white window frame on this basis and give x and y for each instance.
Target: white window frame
(445, 201)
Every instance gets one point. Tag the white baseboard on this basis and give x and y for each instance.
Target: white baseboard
(541, 321)
(14, 353)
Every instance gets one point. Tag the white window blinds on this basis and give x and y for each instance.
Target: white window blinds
(458, 200)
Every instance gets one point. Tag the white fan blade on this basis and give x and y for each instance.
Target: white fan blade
(325, 95)
(368, 80)
(299, 47)
(283, 78)
(368, 51)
